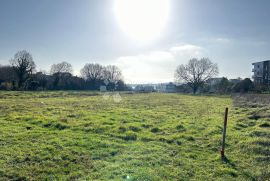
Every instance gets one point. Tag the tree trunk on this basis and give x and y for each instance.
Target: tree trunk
(195, 89)
(20, 82)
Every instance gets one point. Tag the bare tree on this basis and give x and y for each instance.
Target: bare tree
(62, 67)
(112, 76)
(196, 72)
(112, 73)
(61, 72)
(23, 65)
(92, 72)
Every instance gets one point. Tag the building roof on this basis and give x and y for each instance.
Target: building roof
(261, 62)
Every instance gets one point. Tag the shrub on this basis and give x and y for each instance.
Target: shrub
(155, 130)
(122, 129)
(180, 127)
(61, 126)
(134, 128)
(130, 137)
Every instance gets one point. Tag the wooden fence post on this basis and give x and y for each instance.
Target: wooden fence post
(224, 133)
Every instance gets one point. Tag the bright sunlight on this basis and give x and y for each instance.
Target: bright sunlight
(141, 20)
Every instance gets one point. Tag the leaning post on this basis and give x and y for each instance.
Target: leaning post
(224, 133)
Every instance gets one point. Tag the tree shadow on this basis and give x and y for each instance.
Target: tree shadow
(228, 161)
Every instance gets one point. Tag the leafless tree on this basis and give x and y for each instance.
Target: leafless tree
(92, 72)
(62, 67)
(112, 73)
(23, 65)
(61, 72)
(196, 72)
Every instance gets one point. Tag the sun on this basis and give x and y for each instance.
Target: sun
(142, 20)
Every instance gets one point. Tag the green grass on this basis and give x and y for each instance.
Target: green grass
(81, 136)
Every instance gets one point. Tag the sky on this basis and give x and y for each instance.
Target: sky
(232, 33)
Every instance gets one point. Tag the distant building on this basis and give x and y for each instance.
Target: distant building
(160, 87)
(166, 87)
(261, 72)
(144, 88)
(214, 81)
(235, 81)
(170, 88)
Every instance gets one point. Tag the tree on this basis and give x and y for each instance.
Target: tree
(112, 75)
(223, 86)
(41, 77)
(121, 86)
(61, 72)
(7, 74)
(196, 72)
(62, 67)
(23, 65)
(93, 74)
(244, 86)
(8, 78)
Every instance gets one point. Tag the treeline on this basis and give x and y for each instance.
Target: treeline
(198, 75)
(21, 75)
(226, 86)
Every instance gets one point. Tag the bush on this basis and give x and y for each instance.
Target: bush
(245, 85)
(130, 137)
(155, 130)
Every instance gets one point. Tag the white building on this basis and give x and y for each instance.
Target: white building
(261, 72)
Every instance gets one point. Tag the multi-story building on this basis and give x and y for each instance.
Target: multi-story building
(261, 72)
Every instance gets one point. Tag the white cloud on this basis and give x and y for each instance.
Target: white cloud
(186, 50)
(156, 66)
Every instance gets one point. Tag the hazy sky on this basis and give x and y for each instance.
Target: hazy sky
(232, 33)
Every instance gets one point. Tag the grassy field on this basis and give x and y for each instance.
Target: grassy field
(82, 136)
